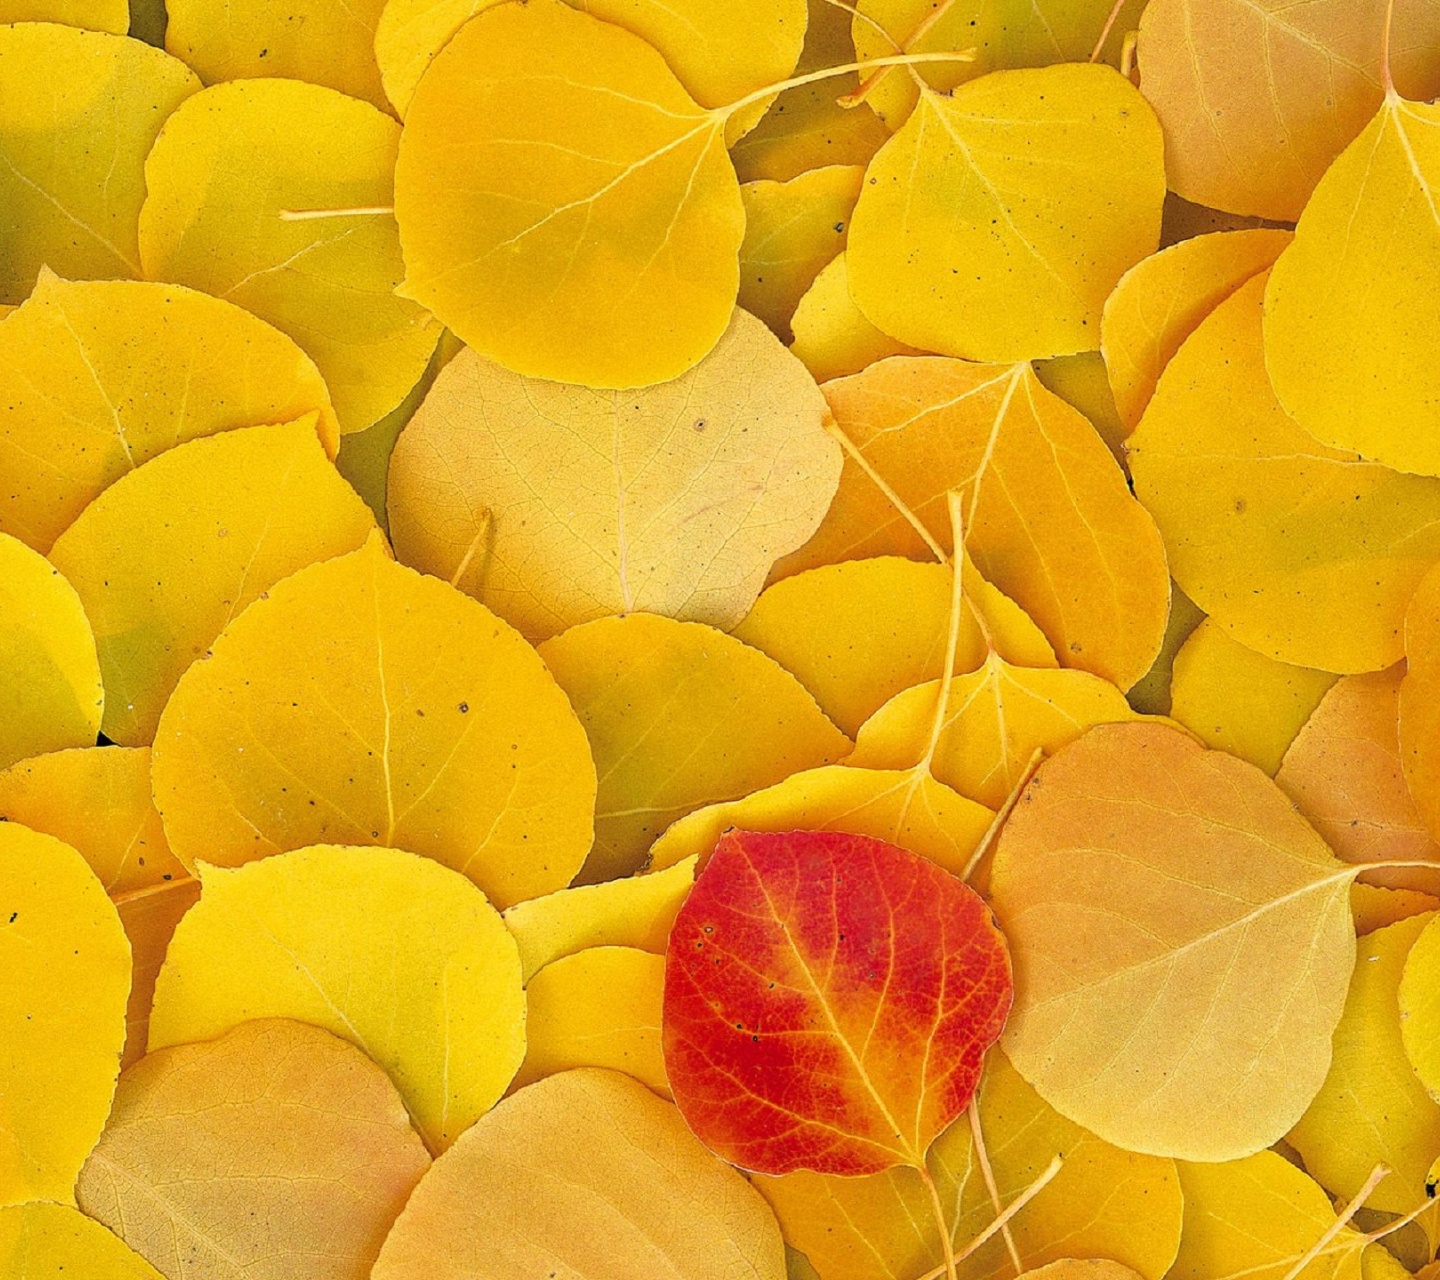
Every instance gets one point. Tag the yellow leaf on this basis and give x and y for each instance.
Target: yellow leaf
(1081, 1269)
(1081, 381)
(150, 917)
(1048, 516)
(40, 1241)
(327, 42)
(1151, 695)
(997, 717)
(95, 15)
(1161, 300)
(102, 376)
(1419, 724)
(62, 1014)
(1240, 701)
(395, 953)
(856, 634)
(1420, 1007)
(679, 715)
(362, 703)
(565, 206)
(1104, 1201)
(327, 281)
(906, 807)
(596, 1008)
(998, 219)
(554, 504)
(79, 110)
(634, 912)
(1371, 1108)
(50, 693)
(1257, 97)
(1191, 1012)
(833, 339)
(1375, 907)
(588, 1173)
(273, 1152)
(1273, 535)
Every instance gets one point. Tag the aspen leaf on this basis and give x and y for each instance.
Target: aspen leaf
(94, 15)
(1257, 97)
(39, 1241)
(679, 715)
(1234, 699)
(589, 1173)
(1081, 381)
(79, 110)
(329, 282)
(904, 807)
(565, 206)
(1041, 185)
(362, 703)
(1082, 1269)
(1103, 1202)
(1191, 1014)
(150, 917)
(596, 1008)
(274, 1151)
(832, 336)
(1048, 516)
(50, 693)
(1419, 725)
(554, 505)
(1374, 907)
(1161, 300)
(62, 1014)
(102, 376)
(1273, 535)
(397, 954)
(856, 634)
(1420, 1007)
(634, 912)
(170, 553)
(828, 1002)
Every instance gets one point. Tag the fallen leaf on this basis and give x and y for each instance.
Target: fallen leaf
(1375, 907)
(586, 1172)
(393, 952)
(1082, 382)
(554, 505)
(1082, 1269)
(150, 917)
(832, 336)
(1419, 724)
(1419, 997)
(274, 1151)
(1151, 695)
(94, 15)
(39, 1241)
(362, 703)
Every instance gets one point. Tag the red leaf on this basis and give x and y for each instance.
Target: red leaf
(828, 1001)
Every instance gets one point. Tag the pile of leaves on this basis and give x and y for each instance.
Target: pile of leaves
(727, 639)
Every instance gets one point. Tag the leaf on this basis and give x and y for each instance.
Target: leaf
(1081, 381)
(608, 1183)
(1344, 345)
(1271, 534)
(1419, 724)
(1371, 1108)
(393, 952)
(596, 1008)
(832, 336)
(907, 808)
(1161, 300)
(634, 912)
(1082, 1269)
(150, 917)
(1374, 907)
(1043, 186)
(329, 282)
(1234, 699)
(361, 703)
(102, 376)
(1152, 695)
(1257, 97)
(95, 15)
(856, 634)
(1191, 1014)
(679, 716)
(50, 693)
(39, 1241)
(1343, 772)
(554, 505)
(62, 1014)
(565, 206)
(78, 112)
(1419, 996)
(828, 1002)
(274, 1151)
(1104, 1201)
(326, 42)
(170, 553)
(1047, 514)
(997, 717)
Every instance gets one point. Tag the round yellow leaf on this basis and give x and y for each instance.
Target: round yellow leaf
(169, 554)
(328, 281)
(393, 952)
(362, 703)
(1420, 1007)
(62, 1014)
(39, 1241)
(1419, 724)
(833, 339)
(94, 15)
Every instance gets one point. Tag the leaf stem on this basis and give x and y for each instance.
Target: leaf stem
(829, 73)
(854, 12)
(977, 1139)
(362, 211)
(1106, 29)
(947, 1245)
(952, 638)
(1377, 1175)
(1387, 80)
(1003, 813)
(919, 32)
(879, 481)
